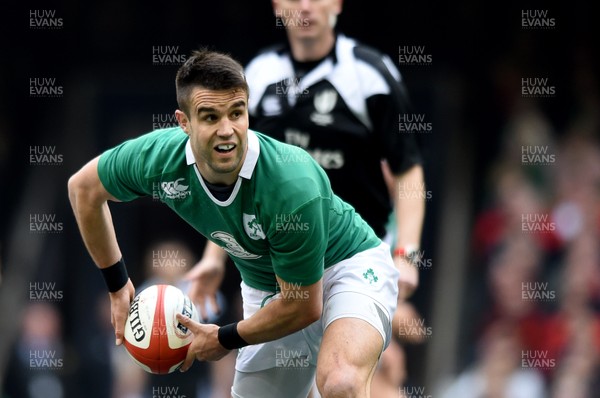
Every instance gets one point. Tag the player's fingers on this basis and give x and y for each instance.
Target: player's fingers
(189, 359)
(119, 325)
(191, 353)
(119, 308)
(112, 319)
(194, 273)
(192, 326)
(190, 275)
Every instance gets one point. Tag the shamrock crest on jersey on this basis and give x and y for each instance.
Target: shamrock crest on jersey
(370, 276)
(252, 227)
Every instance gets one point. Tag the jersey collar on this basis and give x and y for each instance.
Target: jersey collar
(249, 162)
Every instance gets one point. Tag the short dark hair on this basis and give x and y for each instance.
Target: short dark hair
(211, 70)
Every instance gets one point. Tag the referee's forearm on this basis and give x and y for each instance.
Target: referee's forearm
(410, 207)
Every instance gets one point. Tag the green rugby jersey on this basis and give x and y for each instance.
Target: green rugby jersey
(281, 219)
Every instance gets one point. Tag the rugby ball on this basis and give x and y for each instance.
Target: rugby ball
(153, 337)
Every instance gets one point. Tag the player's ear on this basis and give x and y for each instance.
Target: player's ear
(183, 121)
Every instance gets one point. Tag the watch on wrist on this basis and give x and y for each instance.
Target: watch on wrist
(411, 255)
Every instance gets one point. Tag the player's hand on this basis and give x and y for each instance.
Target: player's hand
(120, 301)
(205, 279)
(205, 346)
(409, 277)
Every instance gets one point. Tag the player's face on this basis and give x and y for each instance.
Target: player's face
(218, 131)
(307, 19)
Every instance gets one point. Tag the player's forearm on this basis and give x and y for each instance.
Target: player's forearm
(97, 231)
(283, 316)
(90, 207)
(272, 322)
(410, 207)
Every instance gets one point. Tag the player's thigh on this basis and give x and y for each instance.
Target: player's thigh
(349, 353)
(278, 382)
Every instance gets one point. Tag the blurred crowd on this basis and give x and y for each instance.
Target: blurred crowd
(536, 258)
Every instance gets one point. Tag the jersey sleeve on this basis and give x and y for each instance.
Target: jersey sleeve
(298, 242)
(400, 149)
(121, 172)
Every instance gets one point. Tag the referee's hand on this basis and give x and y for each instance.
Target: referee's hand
(205, 280)
(120, 301)
(409, 277)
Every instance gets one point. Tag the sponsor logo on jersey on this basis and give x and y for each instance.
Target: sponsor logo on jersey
(252, 227)
(232, 246)
(327, 158)
(324, 103)
(297, 137)
(175, 189)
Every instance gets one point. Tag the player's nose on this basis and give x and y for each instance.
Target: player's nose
(225, 128)
(305, 5)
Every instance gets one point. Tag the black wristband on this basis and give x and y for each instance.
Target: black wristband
(230, 338)
(115, 276)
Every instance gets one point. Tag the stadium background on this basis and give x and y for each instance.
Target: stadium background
(111, 89)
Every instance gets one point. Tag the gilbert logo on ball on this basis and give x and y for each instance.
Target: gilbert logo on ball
(154, 338)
